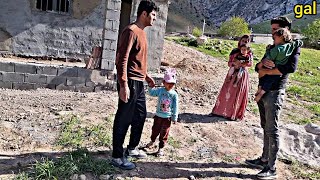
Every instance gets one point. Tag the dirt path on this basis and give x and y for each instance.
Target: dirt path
(202, 146)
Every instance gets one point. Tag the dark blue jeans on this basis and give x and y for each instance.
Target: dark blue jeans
(133, 113)
(270, 107)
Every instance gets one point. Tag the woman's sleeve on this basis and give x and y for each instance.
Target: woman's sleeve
(232, 55)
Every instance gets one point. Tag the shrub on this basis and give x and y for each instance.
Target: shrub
(312, 34)
(234, 27)
(196, 32)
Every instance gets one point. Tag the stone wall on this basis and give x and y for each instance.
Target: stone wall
(39, 34)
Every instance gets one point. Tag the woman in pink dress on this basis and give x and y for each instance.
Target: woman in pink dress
(233, 97)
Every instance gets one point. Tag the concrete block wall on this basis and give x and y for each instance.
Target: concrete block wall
(24, 76)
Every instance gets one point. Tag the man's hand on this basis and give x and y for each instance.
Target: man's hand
(124, 93)
(268, 63)
(150, 81)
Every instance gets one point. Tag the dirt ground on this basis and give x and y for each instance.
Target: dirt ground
(209, 147)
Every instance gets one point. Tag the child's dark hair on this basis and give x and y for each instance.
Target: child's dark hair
(148, 6)
(247, 46)
(283, 22)
(285, 33)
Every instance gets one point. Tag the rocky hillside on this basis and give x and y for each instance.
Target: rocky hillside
(217, 11)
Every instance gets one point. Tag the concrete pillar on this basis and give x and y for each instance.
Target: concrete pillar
(110, 34)
(155, 34)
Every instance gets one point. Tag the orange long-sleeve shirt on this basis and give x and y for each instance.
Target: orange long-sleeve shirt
(131, 59)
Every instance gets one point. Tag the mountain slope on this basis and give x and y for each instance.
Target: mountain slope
(190, 12)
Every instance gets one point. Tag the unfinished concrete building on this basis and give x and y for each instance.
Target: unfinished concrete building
(68, 29)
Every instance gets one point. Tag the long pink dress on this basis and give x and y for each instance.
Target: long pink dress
(232, 100)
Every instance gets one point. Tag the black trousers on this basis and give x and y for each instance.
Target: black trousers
(132, 113)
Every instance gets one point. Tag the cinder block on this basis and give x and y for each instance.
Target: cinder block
(113, 45)
(86, 73)
(84, 88)
(76, 81)
(25, 68)
(12, 77)
(23, 86)
(107, 64)
(113, 35)
(47, 70)
(64, 87)
(70, 72)
(111, 13)
(115, 25)
(108, 24)
(42, 86)
(56, 80)
(35, 78)
(89, 83)
(117, 5)
(108, 54)
(6, 85)
(7, 66)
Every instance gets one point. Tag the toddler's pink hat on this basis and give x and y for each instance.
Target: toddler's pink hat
(170, 76)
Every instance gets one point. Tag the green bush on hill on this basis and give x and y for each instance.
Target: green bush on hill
(234, 27)
(196, 32)
(312, 34)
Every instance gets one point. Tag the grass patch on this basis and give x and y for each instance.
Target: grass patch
(303, 171)
(253, 107)
(174, 143)
(230, 158)
(315, 108)
(76, 162)
(72, 134)
(75, 135)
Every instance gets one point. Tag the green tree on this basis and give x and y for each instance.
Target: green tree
(312, 33)
(196, 32)
(234, 27)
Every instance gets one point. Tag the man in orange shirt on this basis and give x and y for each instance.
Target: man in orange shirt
(131, 64)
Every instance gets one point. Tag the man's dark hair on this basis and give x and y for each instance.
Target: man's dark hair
(282, 21)
(148, 6)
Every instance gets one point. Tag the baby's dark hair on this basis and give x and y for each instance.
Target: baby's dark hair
(285, 33)
(246, 46)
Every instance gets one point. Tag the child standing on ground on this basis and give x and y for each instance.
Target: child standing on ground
(279, 54)
(167, 110)
(243, 56)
